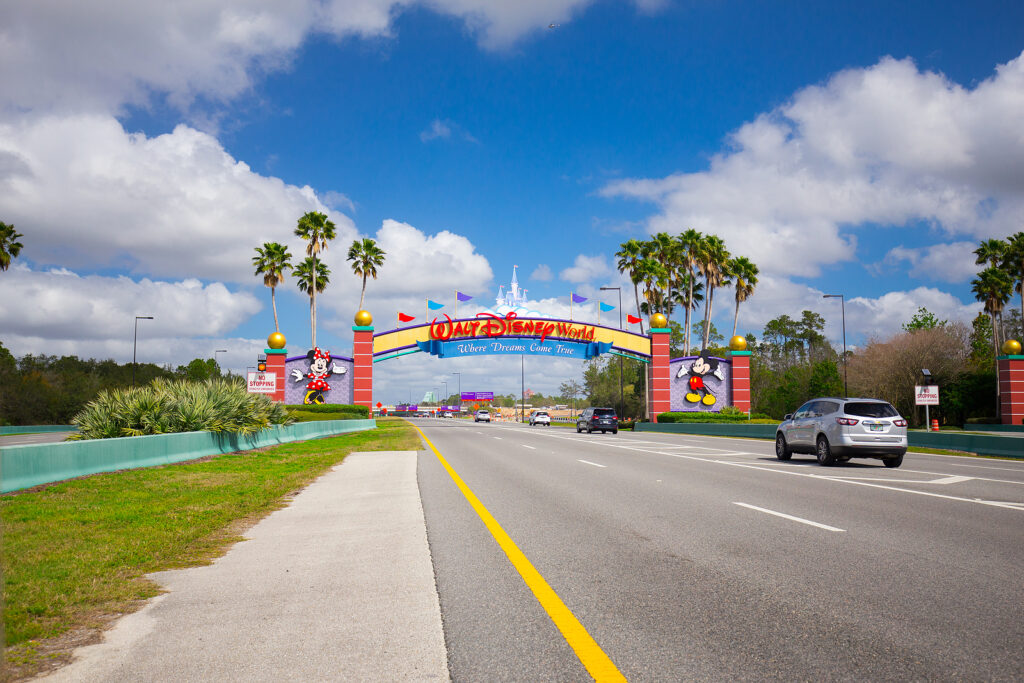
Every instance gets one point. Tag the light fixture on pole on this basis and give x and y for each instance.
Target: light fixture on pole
(215, 356)
(445, 391)
(842, 301)
(622, 407)
(135, 344)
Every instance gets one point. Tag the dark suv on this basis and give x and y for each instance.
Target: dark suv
(598, 419)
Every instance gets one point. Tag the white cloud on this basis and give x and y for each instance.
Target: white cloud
(59, 312)
(586, 269)
(887, 145)
(99, 56)
(437, 129)
(87, 194)
(952, 262)
(542, 273)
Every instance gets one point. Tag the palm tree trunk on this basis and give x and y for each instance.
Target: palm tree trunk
(995, 338)
(707, 315)
(689, 308)
(736, 318)
(312, 301)
(363, 294)
(273, 303)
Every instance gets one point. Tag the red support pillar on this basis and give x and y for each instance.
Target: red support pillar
(362, 371)
(275, 366)
(741, 380)
(1011, 389)
(658, 381)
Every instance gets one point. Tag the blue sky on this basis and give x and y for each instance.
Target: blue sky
(862, 148)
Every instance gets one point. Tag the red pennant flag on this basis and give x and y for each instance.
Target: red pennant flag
(402, 317)
(633, 320)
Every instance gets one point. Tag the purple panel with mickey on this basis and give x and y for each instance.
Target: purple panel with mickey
(700, 383)
(318, 377)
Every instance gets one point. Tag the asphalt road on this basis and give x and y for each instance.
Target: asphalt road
(695, 558)
(26, 439)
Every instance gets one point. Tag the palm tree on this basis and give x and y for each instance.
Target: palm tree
(10, 247)
(663, 249)
(993, 287)
(304, 279)
(629, 256)
(1013, 263)
(689, 246)
(271, 261)
(654, 276)
(366, 258)
(712, 258)
(744, 274)
(318, 230)
(687, 289)
(990, 252)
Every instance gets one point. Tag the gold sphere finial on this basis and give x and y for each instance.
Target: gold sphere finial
(659, 321)
(364, 319)
(738, 343)
(1011, 347)
(276, 341)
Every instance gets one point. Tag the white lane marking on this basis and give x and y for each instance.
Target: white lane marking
(532, 448)
(498, 438)
(950, 479)
(587, 462)
(789, 517)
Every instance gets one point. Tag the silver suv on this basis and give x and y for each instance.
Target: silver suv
(837, 429)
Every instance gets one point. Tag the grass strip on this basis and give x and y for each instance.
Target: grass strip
(76, 553)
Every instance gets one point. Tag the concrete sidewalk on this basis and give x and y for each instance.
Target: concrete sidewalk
(339, 585)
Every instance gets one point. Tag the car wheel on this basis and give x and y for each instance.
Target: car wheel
(579, 430)
(590, 430)
(615, 431)
(893, 462)
(825, 456)
(782, 451)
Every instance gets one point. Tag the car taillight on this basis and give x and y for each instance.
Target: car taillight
(900, 423)
(848, 421)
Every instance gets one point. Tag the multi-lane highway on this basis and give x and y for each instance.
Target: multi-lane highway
(691, 558)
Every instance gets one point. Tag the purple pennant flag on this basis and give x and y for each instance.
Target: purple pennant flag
(462, 297)
(577, 299)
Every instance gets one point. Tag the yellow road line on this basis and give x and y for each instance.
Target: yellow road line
(586, 648)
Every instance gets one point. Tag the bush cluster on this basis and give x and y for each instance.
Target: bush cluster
(713, 417)
(361, 412)
(170, 406)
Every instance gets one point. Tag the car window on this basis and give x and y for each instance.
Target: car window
(804, 410)
(825, 407)
(539, 413)
(870, 409)
(604, 411)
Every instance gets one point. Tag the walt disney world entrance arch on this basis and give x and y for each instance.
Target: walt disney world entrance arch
(694, 383)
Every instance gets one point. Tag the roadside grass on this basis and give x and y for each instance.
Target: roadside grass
(76, 553)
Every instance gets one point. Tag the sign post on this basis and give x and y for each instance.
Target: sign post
(927, 395)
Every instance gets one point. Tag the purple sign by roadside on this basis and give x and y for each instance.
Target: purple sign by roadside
(477, 395)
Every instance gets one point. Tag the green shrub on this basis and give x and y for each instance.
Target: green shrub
(361, 411)
(983, 421)
(170, 406)
(738, 417)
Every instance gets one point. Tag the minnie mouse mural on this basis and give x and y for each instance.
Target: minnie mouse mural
(320, 369)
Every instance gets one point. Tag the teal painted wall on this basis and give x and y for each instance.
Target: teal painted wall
(982, 444)
(31, 465)
(37, 429)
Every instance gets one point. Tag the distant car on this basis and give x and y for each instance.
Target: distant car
(837, 429)
(598, 419)
(539, 417)
(482, 416)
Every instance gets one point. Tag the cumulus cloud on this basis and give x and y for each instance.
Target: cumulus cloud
(87, 193)
(542, 273)
(437, 129)
(586, 269)
(886, 145)
(953, 262)
(117, 52)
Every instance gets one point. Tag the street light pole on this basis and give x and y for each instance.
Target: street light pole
(622, 406)
(842, 301)
(460, 391)
(135, 344)
(215, 357)
(522, 391)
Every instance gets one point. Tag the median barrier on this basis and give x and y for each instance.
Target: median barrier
(31, 465)
(981, 444)
(36, 429)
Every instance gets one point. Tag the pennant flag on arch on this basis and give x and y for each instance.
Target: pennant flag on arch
(632, 319)
(402, 317)
(606, 307)
(462, 297)
(433, 305)
(577, 299)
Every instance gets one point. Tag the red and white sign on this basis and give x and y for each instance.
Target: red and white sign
(261, 383)
(926, 395)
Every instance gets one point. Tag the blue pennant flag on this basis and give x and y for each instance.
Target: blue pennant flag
(462, 297)
(433, 305)
(606, 307)
(577, 299)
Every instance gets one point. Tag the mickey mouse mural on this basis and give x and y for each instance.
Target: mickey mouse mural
(320, 370)
(703, 382)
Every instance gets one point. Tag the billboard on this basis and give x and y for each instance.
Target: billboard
(477, 395)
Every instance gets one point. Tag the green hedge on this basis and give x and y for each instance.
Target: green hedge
(361, 411)
(755, 418)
